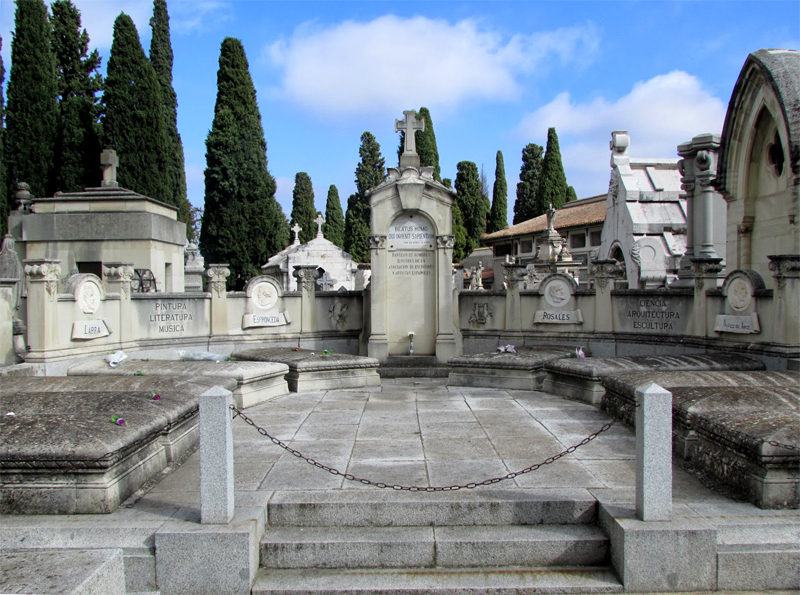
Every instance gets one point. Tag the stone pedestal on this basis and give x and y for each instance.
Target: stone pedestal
(707, 274)
(307, 275)
(605, 273)
(787, 283)
(42, 279)
(193, 270)
(512, 275)
(218, 274)
(117, 276)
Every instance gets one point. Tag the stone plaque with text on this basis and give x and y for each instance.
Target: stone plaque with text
(85, 330)
(726, 323)
(558, 317)
(654, 315)
(272, 319)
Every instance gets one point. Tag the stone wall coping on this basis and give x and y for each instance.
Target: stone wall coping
(244, 372)
(305, 360)
(525, 359)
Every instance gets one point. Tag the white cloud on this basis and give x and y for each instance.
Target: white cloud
(390, 62)
(197, 16)
(659, 114)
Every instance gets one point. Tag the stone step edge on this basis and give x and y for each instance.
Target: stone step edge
(378, 581)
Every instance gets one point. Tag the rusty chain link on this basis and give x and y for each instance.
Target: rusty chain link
(450, 488)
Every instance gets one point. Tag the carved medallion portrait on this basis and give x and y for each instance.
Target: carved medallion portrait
(557, 293)
(264, 296)
(739, 294)
(89, 298)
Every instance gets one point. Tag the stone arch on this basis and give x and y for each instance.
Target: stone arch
(618, 254)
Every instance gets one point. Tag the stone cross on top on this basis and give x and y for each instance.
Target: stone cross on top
(109, 162)
(319, 221)
(296, 229)
(409, 125)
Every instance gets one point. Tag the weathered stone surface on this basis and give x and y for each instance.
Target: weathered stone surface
(256, 381)
(724, 422)
(522, 370)
(580, 378)
(315, 370)
(62, 453)
(76, 572)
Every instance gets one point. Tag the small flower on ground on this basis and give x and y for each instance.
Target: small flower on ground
(156, 397)
(117, 420)
(579, 352)
(11, 414)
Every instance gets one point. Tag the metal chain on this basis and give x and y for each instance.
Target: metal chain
(450, 488)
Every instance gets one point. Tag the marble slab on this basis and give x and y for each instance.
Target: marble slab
(256, 382)
(62, 453)
(580, 379)
(523, 370)
(315, 370)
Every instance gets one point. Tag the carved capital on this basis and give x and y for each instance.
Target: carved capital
(605, 270)
(785, 266)
(704, 268)
(513, 274)
(377, 242)
(307, 275)
(444, 242)
(44, 271)
(218, 274)
(120, 273)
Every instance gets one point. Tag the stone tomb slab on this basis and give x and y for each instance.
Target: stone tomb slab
(62, 453)
(314, 370)
(256, 382)
(580, 379)
(523, 370)
(723, 424)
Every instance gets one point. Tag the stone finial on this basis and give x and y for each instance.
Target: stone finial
(319, 221)
(218, 273)
(23, 197)
(109, 161)
(296, 229)
(620, 141)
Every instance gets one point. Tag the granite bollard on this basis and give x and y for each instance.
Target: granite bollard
(653, 453)
(216, 457)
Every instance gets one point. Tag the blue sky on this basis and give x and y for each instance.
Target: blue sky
(495, 76)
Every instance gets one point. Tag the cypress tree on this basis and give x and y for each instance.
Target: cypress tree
(3, 190)
(552, 181)
(370, 172)
(470, 202)
(161, 59)
(243, 224)
(77, 145)
(526, 204)
(426, 144)
(32, 108)
(498, 217)
(303, 210)
(333, 228)
(133, 123)
(571, 195)
(461, 246)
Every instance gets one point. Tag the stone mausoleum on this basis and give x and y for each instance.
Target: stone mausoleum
(685, 329)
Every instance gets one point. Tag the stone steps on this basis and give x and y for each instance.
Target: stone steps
(426, 547)
(483, 581)
(373, 508)
(62, 572)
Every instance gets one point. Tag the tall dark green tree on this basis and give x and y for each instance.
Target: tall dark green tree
(526, 204)
(77, 146)
(571, 194)
(161, 59)
(370, 172)
(133, 122)
(470, 203)
(32, 105)
(552, 181)
(498, 216)
(462, 246)
(333, 228)
(243, 224)
(3, 189)
(426, 144)
(303, 210)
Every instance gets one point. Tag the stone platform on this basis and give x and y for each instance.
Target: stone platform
(315, 370)
(523, 370)
(61, 452)
(723, 423)
(256, 382)
(580, 379)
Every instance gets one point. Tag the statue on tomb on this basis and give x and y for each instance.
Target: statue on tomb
(551, 217)
(479, 275)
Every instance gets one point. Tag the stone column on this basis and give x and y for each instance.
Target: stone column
(117, 276)
(707, 273)
(42, 279)
(307, 275)
(378, 346)
(786, 324)
(604, 272)
(216, 457)
(218, 274)
(512, 275)
(653, 453)
(445, 334)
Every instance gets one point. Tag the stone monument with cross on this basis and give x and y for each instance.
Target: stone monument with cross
(411, 245)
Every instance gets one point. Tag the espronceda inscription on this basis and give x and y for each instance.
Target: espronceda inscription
(411, 264)
(653, 314)
(171, 317)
